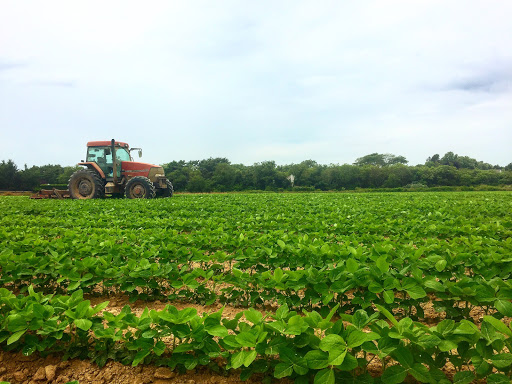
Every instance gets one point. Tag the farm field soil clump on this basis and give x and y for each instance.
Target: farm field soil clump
(299, 288)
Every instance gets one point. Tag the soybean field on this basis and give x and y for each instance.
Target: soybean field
(304, 288)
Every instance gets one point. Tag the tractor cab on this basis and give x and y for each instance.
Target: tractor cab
(102, 155)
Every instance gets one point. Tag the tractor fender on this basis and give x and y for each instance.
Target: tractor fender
(93, 166)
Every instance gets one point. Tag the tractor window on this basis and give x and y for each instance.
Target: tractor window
(122, 154)
(100, 155)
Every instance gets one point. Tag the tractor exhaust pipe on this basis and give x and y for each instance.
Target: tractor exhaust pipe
(114, 160)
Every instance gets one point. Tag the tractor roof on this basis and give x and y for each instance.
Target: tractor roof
(105, 144)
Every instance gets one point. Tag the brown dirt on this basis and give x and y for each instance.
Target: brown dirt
(19, 369)
(16, 193)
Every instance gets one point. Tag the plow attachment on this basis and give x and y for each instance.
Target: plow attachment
(52, 194)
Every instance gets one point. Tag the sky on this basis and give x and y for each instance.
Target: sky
(253, 81)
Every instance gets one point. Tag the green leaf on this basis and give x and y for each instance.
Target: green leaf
(498, 378)
(282, 312)
(237, 360)
(333, 343)
(283, 370)
(352, 265)
(300, 366)
(337, 357)
(73, 286)
(463, 377)
(355, 339)
(440, 265)
(403, 356)
(83, 324)
(504, 306)
(349, 363)
(446, 327)
(249, 357)
(482, 367)
(253, 316)
(15, 337)
(420, 373)
(416, 292)
(82, 308)
(217, 330)
(389, 297)
(447, 345)
(140, 356)
(99, 307)
(382, 264)
(498, 325)
(501, 360)
(433, 284)
(325, 376)
(246, 339)
(388, 314)
(316, 359)
(429, 341)
(159, 348)
(394, 375)
(29, 349)
(360, 319)
(336, 346)
(278, 274)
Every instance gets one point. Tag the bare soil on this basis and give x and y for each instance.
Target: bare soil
(19, 369)
(16, 193)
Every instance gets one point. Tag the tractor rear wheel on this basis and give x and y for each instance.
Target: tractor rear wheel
(86, 184)
(167, 192)
(139, 187)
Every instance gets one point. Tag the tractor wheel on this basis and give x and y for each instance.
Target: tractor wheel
(167, 192)
(139, 187)
(86, 184)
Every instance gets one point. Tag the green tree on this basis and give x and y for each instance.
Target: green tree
(380, 160)
(399, 176)
(9, 176)
(224, 177)
(196, 182)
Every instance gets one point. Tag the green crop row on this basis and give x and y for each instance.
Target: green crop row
(305, 251)
(355, 281)
(282, 344)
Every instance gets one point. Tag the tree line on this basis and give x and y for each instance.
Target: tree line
(220, 175)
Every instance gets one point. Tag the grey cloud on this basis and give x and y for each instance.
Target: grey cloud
(6, 65)
(54, 83)
(491, 81)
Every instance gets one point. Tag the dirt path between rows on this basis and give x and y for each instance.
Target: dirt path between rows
(19, 369)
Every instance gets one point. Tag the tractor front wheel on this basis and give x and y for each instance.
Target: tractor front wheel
(86, 184)
(165, 192)
(139, 188)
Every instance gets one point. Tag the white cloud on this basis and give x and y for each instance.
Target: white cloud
(284, 81)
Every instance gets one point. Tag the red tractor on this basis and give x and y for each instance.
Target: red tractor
(110, 169)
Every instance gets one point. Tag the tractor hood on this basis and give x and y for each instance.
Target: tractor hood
(135, 165)
(134, 168)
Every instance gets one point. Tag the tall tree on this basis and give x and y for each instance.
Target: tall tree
(380, 160)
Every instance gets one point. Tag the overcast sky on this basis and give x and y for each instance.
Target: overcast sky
(256, 80)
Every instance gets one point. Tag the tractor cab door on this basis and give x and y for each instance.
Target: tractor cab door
(103, 157)
(110, 164)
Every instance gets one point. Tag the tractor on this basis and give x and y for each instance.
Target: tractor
(110, 169)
